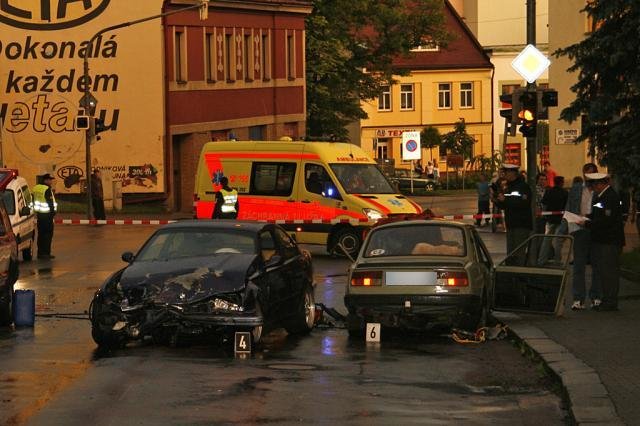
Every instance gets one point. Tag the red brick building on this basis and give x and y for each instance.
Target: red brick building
(239, 74)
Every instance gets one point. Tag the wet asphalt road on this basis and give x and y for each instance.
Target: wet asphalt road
(52, 374)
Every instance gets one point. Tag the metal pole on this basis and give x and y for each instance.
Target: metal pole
(531, 141)
(89, 133)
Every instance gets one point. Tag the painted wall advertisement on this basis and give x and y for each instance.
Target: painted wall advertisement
(42, 45)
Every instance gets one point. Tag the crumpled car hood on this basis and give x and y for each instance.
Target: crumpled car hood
(186, 280)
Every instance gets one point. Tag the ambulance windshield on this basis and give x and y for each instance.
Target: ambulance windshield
(362, 179)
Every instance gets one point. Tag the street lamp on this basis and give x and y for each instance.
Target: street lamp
(88, 102)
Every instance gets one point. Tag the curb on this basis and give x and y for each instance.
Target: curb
(589, 400)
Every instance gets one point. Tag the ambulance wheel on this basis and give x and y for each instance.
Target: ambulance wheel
(350, 240)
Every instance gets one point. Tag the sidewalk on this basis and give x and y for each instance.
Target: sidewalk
(596, 355)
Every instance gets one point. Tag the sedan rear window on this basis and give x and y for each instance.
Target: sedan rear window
(416, 240)
(177, 243)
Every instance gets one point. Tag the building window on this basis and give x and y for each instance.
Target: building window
(180, 59)
(444, 95)
(291, 58)
(229, 73)
(384, 100)
(382, 149)
(265, 58)
(257, 133)
(209, 45)
(466, 95)
(406, 96)
(248, 54)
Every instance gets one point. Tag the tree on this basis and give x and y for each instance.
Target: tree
(430, 138)
(608, 87)
(459, 142)
(351, 45)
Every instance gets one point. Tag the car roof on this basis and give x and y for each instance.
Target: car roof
(246, 225)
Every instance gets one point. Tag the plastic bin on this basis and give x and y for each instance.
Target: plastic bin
(24, 308)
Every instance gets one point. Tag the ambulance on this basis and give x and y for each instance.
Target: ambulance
(15, 192)
(321, 192)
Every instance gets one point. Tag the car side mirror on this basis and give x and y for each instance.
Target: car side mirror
(25, 211)
(128, 257)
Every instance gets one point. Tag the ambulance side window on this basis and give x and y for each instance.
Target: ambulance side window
(9, 201)
(272, 178)
(317, 181)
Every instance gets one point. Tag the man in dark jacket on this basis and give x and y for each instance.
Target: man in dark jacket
(553, 200)
(516, 203)
(607, 240)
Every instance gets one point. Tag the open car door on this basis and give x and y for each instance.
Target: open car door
(534, 276)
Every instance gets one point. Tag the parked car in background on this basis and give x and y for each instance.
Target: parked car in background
(417, 273)
(16, 194)
(402, 178)
(205, 278)
(8, 267)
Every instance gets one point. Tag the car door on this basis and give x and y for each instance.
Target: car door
(295, 269)
(486, 264)
(274, 280)
(525, 283)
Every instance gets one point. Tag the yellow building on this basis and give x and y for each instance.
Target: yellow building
(445, 85)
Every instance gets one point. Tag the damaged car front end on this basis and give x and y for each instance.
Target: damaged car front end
(196, 300)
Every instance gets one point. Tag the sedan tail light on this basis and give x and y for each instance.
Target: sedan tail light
(453, 279)
(366, 278)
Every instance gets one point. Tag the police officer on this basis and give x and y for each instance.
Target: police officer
(516, 203)
(44, 204)
(227, 206)
(607, 239)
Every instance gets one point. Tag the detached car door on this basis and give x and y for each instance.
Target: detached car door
(533, 278)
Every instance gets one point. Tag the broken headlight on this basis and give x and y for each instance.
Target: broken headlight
(223, 305)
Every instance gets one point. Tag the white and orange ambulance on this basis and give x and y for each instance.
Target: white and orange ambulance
(321, 192)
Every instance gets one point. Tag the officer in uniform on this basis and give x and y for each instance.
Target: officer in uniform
(44, 204)
(516, 203)
(227, 206)
(607, 240)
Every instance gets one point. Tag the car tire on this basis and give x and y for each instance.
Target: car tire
(27, 254)
(355, 327)
(257, 333)
(6, 310)
(350, 239)
(304, 319)
(430, 187)
(477, 317)
(106, 340)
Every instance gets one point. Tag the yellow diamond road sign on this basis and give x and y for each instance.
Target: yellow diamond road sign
(530, 63)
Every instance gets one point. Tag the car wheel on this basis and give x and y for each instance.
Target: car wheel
(27, 253)
(355, 327)
(477, 317)
(106, 340)
(6, 311)
(429, 187)
(349, 239)
(257, 332)
(304, 319)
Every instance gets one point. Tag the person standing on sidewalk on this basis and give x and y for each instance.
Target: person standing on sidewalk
(97, 195)
(580, 202)
(484, 196)
(554, 200)
(607, 240)
(516, 203)
(45, 206)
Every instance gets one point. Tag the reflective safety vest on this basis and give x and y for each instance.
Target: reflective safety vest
(230, 200)
(40, 204)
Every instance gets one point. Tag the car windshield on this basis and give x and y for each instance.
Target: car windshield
(362, 179)
(179, 243)
(416, 240)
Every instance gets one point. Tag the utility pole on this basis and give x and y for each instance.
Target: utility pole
(531, 140)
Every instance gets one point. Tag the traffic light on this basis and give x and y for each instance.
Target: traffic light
(511, 101)
(528, 114)
(99, 126)
(546, 98)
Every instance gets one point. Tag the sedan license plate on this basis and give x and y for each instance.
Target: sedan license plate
(410, 278)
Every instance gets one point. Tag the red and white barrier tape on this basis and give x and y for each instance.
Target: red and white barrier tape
(354, 222)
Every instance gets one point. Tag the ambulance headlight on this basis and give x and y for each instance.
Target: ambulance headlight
(372, 214)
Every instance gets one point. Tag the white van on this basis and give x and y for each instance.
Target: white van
(16, 194)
